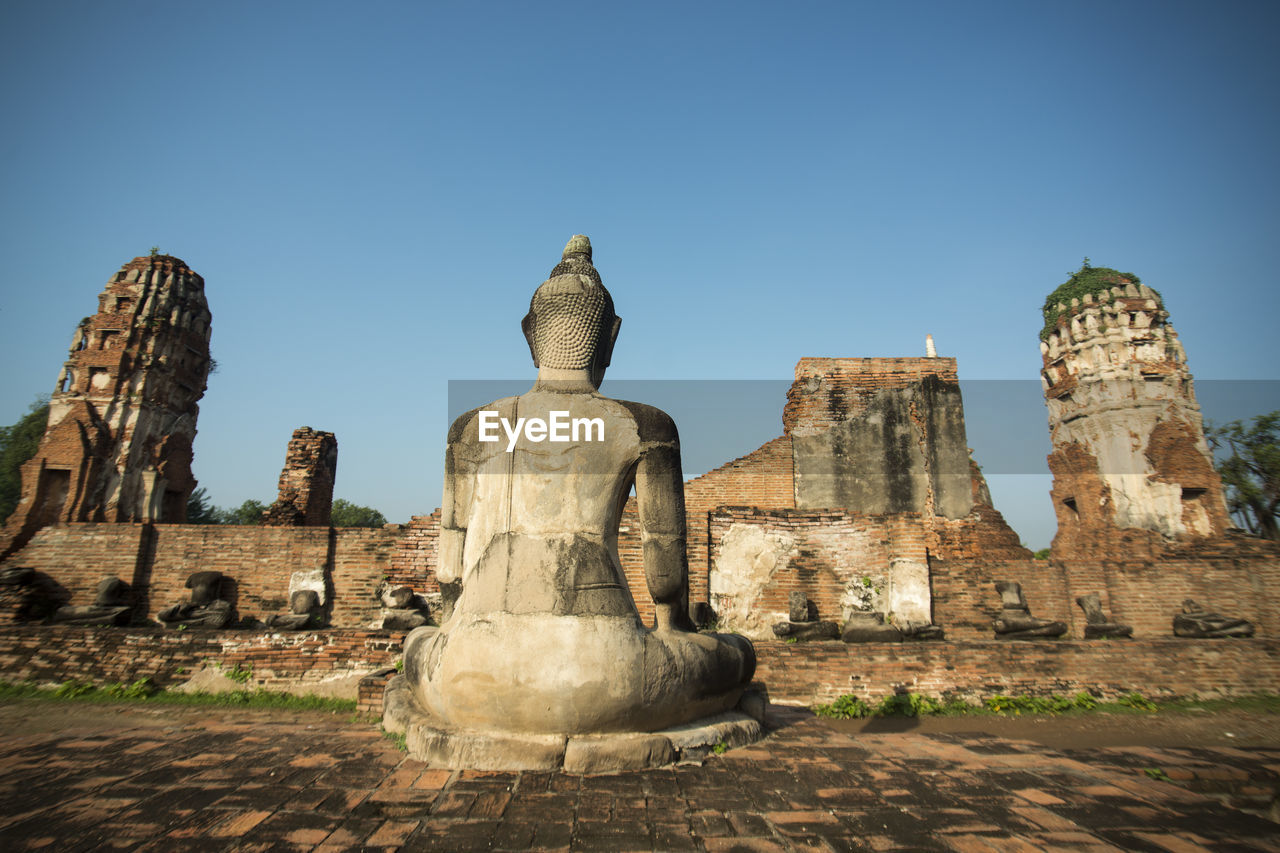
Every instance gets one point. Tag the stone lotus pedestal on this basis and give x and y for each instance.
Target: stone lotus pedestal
(543, 662)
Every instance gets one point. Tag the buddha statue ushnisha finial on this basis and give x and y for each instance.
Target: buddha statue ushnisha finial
(579, 244)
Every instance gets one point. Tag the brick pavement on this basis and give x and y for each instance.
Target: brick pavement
(225, 779)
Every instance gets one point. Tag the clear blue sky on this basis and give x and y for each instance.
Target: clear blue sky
(372, 191)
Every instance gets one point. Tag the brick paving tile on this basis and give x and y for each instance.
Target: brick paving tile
(1040, 798)
(392, 833)
(744, 845)
(251, 781)
(434, 780)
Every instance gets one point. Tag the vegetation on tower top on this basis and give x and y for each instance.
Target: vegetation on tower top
(1086, 280)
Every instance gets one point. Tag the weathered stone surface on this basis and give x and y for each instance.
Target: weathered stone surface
(312, 580)
(306, 482)
(113, 605)
(399, 597)
(755, 701)
(403, 609)
(801, 609)
(485, 751)
(122, 416)
(304, 606)
(544, 639)
(1015, 620)
(749, 558)
(613, 752)
(403, 619)
(1198, 622)
(898, 447)
(1097, 625)
(910, 599)
(440, 745)
(804, 632)
(1129, 452)
(205, 609)
(869, 628)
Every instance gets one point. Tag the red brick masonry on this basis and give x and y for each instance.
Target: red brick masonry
(803, 673)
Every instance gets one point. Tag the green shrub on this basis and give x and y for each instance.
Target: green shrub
(73, 689)
(1137, 701)
(1084, 701)
(1089, 279)
(847, 707)
(907, 705)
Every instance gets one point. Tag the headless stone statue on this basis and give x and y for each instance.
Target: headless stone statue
(1198, 622)
(802, 623)
(868, 627)
(304, 604)
(1016, 622)
(1097, 625)
(205, 610)
(111, 606)
(402, 612)
(544, 636)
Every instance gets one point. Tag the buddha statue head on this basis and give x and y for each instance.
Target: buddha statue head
(571, 325)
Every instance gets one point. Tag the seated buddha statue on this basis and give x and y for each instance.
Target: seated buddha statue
(544, 636)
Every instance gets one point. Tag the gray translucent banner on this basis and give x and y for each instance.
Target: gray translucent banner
(719, 420)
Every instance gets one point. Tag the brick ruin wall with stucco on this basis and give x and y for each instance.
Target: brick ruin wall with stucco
(848, 384)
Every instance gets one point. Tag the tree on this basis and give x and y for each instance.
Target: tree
(1251, 474)
(249, 512)
(18, 443)
(200, 510)
(347, 514)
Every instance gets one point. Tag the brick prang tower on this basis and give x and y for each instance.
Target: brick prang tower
(1130, 463)
(122, 417)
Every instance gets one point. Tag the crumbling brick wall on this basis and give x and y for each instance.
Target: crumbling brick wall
(761, 478)
(809, 673)
(257, 562)
(830, 391)
(299, 663)
(414, 562)
(306, 483)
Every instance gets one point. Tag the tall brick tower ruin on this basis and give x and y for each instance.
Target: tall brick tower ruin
(306, 483)
(123, 414)
(1130, 464)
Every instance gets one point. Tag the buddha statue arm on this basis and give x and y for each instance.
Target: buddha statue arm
(455, 504)
(660, 500)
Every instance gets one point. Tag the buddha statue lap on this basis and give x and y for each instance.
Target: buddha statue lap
(112, 605)
(206, 609)
(1199, 622)
(1016, 622)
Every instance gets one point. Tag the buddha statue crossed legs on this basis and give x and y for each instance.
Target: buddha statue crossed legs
(544, 637)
